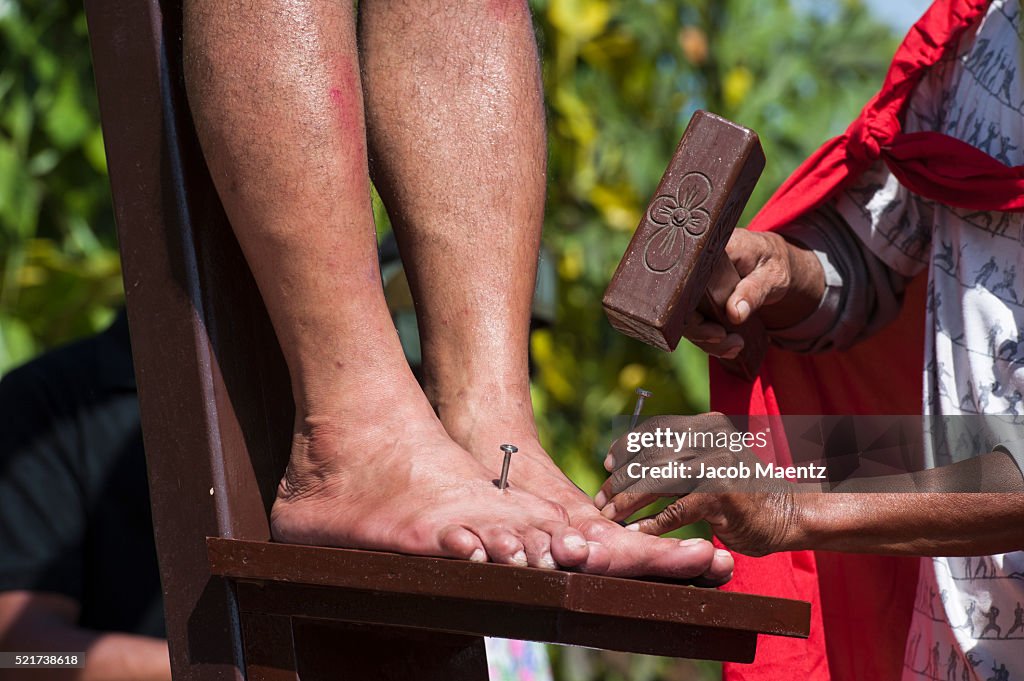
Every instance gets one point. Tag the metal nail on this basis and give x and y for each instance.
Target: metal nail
(641, 395)
(509, 451)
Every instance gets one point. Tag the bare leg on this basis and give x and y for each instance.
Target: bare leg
(455, 120)
(276, 94)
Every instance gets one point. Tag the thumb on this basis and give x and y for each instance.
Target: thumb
(763, 284)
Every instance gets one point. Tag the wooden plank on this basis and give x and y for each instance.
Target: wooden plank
(479, 618)
(632, 600)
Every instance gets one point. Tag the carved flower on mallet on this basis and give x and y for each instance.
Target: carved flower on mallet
(677, 216)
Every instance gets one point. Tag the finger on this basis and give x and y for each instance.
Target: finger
(632, 457)
(684, 511)
(762, 284)
(634, 477)
(622, 506)
(706, 332)
(619, 453)
(729, 348)
(747, 250)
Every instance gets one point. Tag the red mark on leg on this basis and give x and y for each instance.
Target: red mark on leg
(345, 102)
(347, 97)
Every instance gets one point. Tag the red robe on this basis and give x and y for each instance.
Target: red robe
(861, 605)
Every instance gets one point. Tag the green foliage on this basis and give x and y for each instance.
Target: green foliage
(622, 79)
(59, 271)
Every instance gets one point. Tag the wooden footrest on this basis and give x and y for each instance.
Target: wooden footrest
(485, 599)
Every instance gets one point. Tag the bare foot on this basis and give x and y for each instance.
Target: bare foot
(402, 485)
(614, 549)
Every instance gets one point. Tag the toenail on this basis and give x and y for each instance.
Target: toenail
(519, 558)
(609, 462)
(478, 556)
(633, 527)
(692, 541)
(722, 553)
(601, 499)
(547, 561)
(574, 542)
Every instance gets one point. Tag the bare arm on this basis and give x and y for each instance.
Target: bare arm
(943, 522)
(45, 622)
(933, 512)
(874, 519)
(973, 507)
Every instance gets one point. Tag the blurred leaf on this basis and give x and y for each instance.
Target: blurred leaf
(17, 117)
(19, 194)
(16, 342)
(94, 151)
(580, 19)
(66, 119)
(738, 82)
(59, 270)
(43, 162)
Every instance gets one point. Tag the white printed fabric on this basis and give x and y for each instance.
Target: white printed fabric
(968, 620)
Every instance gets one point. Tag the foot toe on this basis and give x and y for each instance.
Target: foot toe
(537, 544)
(721, 568)
(599, 559)
(458, 542)
(568, 546)
(631, 554)
(674, 558)
(504, 547)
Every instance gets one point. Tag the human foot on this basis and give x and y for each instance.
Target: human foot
(614, 549)
(404, 486)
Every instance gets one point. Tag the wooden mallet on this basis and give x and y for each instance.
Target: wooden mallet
(676, 261)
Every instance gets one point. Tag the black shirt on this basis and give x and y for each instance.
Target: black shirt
(74, 501)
